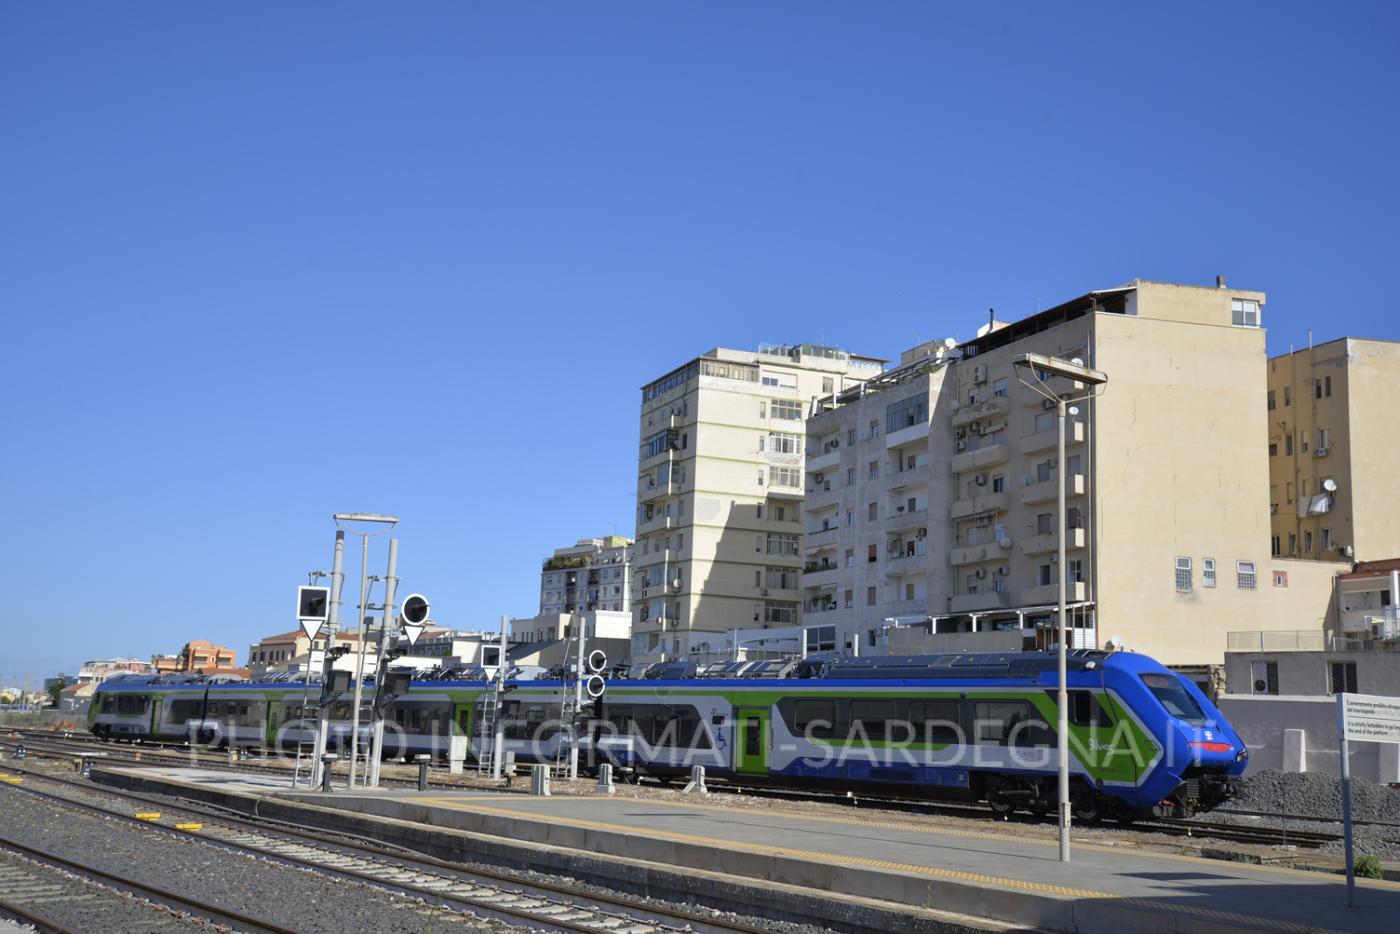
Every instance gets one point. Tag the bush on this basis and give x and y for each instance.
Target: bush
(1369, 867)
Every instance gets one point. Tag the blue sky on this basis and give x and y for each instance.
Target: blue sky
(264, 262)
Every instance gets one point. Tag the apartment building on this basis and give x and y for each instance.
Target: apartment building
(719, 493)
(592, 574)
(1166, 477)
(1332, 491)
(878, 492)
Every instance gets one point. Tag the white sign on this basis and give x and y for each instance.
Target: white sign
(311, 627)
(1370, 718)
(412, 631)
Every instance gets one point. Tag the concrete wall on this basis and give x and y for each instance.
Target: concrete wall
(1264, 723)
(1306, 673)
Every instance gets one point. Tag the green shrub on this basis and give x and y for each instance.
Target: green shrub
(1369, 867)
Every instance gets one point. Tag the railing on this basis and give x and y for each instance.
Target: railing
(1307, 640)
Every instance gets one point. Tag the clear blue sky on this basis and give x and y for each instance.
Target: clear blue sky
(264, 262)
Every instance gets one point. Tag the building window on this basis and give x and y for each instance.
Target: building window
(790, 477)
(828, 383)
(850, 599)
(1275, 548)
(850, 436)
(1244, 575)
(1244, 313)
(1292, 543)
(999, 484)
(870, 596)
(850, 517)
(1207, 572)
(999, 387)
(1045, 523)
(872, 554)
(1324, 439)
(1264, 677)
(762, 411)
(1288, 445)
(821, 639)
(850, 557)
(786, 409)
(872, 512)
(1273, 448)
(1287, 396)
(1307, 541)
(1183, 575)
(1272, 404)
(1280, 578)
(906, 413)
(850, 476)
(1341, 678)
(783, 443)
(1327, 540)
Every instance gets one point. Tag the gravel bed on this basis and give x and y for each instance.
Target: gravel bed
(300, 899)
(1319, 795)
(97, 797)
(81, 904)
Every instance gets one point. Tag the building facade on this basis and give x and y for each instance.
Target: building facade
(1165, 471)
(593, 574)
(719, 493)
(1331, 480)
(878, 494)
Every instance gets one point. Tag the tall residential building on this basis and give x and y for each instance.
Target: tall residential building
(1332, 489)
(1165, 470)
(592, 574)
(719, 493)
(878, 494)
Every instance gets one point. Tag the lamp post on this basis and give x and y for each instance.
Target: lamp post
(374, 519)
(1073, 370)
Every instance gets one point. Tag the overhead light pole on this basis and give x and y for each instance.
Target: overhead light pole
(1075, 370)
(361, 518)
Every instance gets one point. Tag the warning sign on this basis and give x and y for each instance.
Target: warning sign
(1369, 718)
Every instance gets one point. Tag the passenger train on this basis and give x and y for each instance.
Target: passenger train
(1143, 740)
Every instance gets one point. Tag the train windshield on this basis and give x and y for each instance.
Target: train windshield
(1173, 694)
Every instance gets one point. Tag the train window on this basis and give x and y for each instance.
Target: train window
(184, 709)
(131, 704)
(936, 721)
(752, 736)
(1173, 695)
(463, 718)
(1085, 709)
(814, 716)
(1010, 723)
(620, 718)
(679, 726)
(870, 715)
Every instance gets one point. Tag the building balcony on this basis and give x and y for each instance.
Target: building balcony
(1046, 594)
(822, 530)
(904, 518)
(657, 491)
(976, 554)
(780, 593)
(657, 524)
(828, 460)
(901, 564)
(988, 456)
(1047, 490)
(974, 602)
(987, 502)
(907, 435)
(1047, 440)
(1042, 544)
(995, 407)
(656, 460)
(909, 476)
(777, 491)
(816, 573)
(1057, 385)
(916, 607)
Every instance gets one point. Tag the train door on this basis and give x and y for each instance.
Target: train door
(751, 740)
(156, 703)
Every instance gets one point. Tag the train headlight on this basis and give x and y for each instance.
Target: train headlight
(1243, 754)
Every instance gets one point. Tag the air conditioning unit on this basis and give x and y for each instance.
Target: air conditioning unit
(975, 428)
(819, 478)
(961, 432)
(1003, 571)
(1054, 557)
(979, 373)
(962, 445)
(922, 533)
(765, 591)
(981, 573)
(1346, 550)
(1320, 452)
(981, 479)
(1004, 541)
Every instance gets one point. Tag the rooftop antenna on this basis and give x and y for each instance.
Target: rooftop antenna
(991, 318)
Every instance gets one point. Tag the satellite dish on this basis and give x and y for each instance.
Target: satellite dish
(1077, 361)
(950, 342)
(1329, 485)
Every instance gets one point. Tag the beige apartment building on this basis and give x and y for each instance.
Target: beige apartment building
(592, 574)
(1332, 488)
(719, 493)
(1166, 474)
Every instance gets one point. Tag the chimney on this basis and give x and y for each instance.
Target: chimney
(991, 318)
(1220, 282)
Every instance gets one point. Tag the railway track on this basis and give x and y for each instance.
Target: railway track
(31, 879)
(482, 893)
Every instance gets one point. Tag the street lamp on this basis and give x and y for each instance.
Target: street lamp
(372, 519)
(1039, 364)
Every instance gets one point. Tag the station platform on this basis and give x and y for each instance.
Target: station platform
(997, 875)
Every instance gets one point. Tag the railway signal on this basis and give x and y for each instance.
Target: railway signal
(412, 616)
